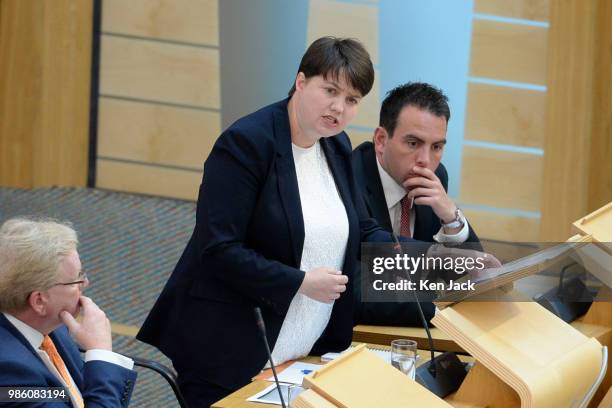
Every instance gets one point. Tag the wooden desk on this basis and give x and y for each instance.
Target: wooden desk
(384, 334)
(238, 398)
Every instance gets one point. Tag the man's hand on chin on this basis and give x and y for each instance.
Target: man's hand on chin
(94, 329)
(426, 189)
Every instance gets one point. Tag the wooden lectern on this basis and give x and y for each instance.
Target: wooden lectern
(361, 379)
(526, 356)
(597, 260)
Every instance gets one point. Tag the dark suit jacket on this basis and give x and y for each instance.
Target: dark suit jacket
(426, 225)
(102, 384)
(245, 251)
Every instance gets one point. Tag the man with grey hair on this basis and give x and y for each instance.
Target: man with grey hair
(41, 282)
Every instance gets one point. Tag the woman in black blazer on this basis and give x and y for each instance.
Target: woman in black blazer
(249, 240)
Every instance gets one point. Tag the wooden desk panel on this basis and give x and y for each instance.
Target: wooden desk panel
(238, 398)
(385, 334)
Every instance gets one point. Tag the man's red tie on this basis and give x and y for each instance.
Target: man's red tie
(405, 218)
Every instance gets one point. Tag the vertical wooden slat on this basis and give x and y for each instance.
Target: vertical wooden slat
(61, 143)
(45, 49)
(600, 170)
(569, 114)
(20, 88)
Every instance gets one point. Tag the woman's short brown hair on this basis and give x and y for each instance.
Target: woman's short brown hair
(335, 57)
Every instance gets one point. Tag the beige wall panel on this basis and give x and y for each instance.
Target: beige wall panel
(194, 21)
(340, 19)
(508, 52)
(503, 227)
(143, 179)
(159, 71)
(505, 115)
(501, 179)
(369, 107)
(156, 133)
(525, 9)
(358, 136)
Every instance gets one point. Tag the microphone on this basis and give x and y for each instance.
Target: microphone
(570, 300)
(444, 373)
(262, 330)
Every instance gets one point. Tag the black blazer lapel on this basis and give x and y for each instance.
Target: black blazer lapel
(287, 182)
(338, 170)
(375, 198)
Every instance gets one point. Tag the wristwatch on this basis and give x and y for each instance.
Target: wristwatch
(457, 222)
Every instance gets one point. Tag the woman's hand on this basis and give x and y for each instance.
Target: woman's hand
(323, 284)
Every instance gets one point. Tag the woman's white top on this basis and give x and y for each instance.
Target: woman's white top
(326, 233)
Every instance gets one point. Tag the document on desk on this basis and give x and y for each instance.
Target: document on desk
(496, 277)
(522, 264)
(270, 394)
(294, 374)
(380, 352)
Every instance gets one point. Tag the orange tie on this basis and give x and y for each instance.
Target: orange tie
(48, 347)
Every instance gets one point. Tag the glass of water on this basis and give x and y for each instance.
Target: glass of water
(404, 356)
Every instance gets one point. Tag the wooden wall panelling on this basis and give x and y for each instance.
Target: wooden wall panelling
(359, 136)
(569, 108)
(156, 133)
(148, 179)
(505, 115)
(62, 143)
(369, 107)
(193, 21)
(600, 165)
(524, 9)
(503, 227)
(509, 52)
(20, 88)
(160, 71)
(501, 179)
(343, 19)
(360, 21)
(45, 51)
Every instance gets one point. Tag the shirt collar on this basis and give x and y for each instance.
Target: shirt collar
(393, 192)
(33, 336)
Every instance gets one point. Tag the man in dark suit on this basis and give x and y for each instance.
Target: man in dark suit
(40, 296)
(403, 183)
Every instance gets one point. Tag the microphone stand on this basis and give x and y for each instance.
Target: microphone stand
(445, 373)
(432, 367)
(262, 330)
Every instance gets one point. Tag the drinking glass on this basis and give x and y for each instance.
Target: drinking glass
(404, 356)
